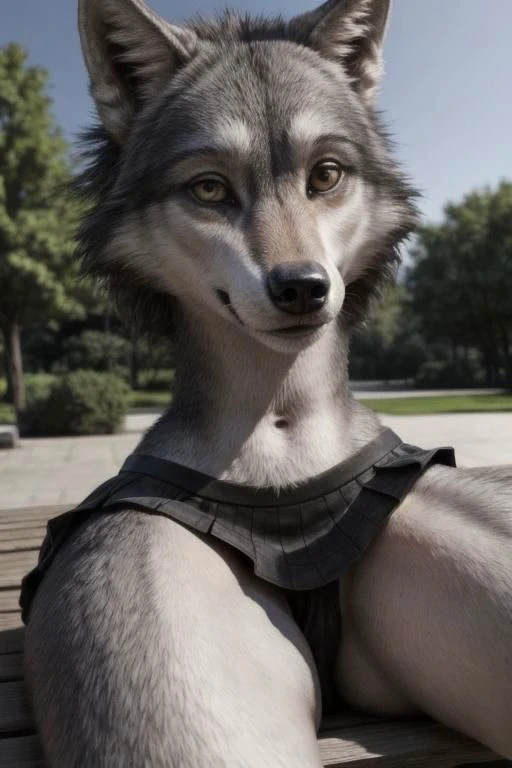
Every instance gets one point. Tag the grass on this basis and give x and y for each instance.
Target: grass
(418, 406)
(148, 399)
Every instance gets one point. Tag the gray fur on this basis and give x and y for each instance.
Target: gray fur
(147, 644)
(127, 668)
(262, 71)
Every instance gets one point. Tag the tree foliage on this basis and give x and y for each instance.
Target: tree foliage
(390, 347)
(38, 216)
(449, 321)
(461, 279)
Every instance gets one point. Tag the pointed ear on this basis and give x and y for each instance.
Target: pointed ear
(350, 32)
(129, 51)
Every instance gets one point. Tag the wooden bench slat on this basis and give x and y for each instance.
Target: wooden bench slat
(10, 620)
(24, 544)
(11, 667)
(34, 521)
(14, 566)
(29, 531)
(36, 514)
(411, 744)
(22, 525)
(22, 538)
(22, 521)
(9, 599)
(15, 716)
(22, 751)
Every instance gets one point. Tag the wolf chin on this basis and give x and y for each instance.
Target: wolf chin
(243, 201)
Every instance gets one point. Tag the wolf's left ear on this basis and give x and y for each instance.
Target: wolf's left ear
(130, 52)
(350, 32)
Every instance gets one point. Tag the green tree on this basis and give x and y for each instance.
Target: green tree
(389, 347)
(38, 278)
(461, 279)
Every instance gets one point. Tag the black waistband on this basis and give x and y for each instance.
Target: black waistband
(216, 490)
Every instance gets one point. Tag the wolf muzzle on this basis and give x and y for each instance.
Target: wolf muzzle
(299, 287)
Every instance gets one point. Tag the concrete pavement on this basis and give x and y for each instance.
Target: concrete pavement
(479, 439)
(65, 470)
(61, 470)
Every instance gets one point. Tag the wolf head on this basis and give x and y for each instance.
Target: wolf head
(240, 166)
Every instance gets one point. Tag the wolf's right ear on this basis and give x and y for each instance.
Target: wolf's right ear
(351, 33)
(129, 52)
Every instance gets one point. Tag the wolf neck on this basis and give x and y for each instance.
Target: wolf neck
(246, 414)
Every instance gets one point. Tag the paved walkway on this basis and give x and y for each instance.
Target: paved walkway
(65, 470)
(361, 393)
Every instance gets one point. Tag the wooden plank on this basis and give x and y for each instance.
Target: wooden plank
(408, 744)
(11, 667)
(32, 532)
(8, 517)
(15, 544)
(14, 566)
(21, 752)
(11, 640)
(22, 525)
(15, 716)
(37, 514)
(10, 620)
(9, 599)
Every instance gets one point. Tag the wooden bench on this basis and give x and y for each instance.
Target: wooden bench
(348, 740)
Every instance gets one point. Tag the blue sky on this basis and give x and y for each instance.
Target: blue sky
(447, 92)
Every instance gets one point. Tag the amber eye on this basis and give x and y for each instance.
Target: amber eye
(324, 176)
(210, 190)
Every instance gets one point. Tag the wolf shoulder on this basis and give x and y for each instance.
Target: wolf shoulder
(463, 503)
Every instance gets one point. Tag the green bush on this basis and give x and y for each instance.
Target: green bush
(38, 384)
(95, 350)
(80, 403)
(37, 390)
(156, 381)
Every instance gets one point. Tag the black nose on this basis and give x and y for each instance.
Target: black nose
(299, 287)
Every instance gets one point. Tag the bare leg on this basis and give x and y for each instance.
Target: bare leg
(428, 612)
(149, 647)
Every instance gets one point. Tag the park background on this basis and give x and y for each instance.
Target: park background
(439, 343)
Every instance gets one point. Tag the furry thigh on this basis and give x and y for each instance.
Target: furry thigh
(148, 646)
(428, 610)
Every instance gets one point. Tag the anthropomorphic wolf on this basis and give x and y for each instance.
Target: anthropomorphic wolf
(268, 540)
